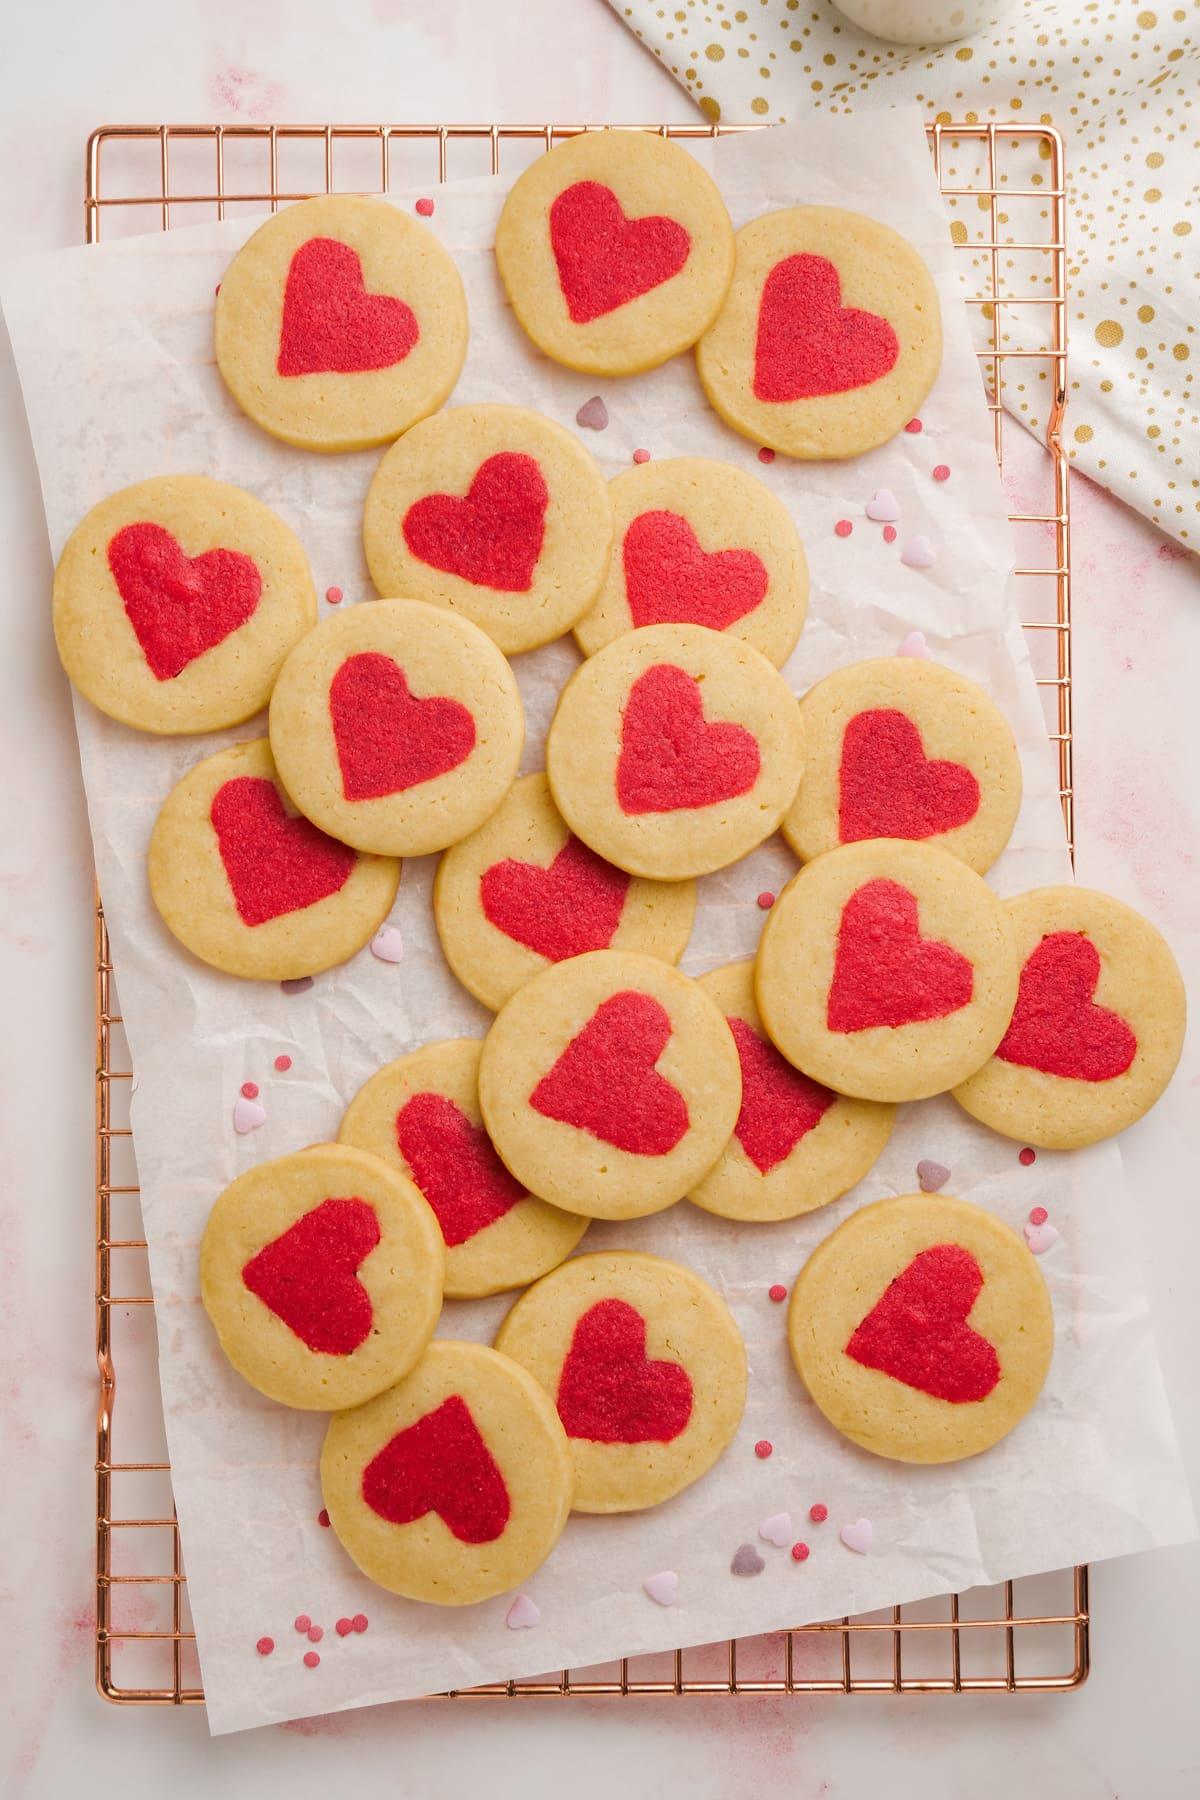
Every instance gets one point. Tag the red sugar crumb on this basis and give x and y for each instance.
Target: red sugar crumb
(914, 425)
(942, 472)
(315, 1633)
(889, 534)
(763, 1448)
(1027, 1156)
(765, 455)
(641, 456)
(265, 1645)
(777, 1292)
(800, 1553)
(344, 1627)
(843, 528)
(311, 1659)
(818, 1513)
(766, 900)
(334, 596)
(425, 208)
(1038, 1216)
(359, 1621)
(302, 1622)
(323, 1518)
(250, 1090)
(283, 1064)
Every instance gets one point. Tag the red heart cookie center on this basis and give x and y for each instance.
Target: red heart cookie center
(885, 972)
(331, 324)
(671, 756)
(670, 580)
(889, 788)
(808, 343)
(490, 536)
(570, 907)
(608, 1389)
(179, 606)
(275, 863)
(605, 1081)
(441, 1464)
(918, 1331)
(387, 739)
(308, 1276)
(779, 1104)
(455, 1166)
(1056, 1025)
(606, 259)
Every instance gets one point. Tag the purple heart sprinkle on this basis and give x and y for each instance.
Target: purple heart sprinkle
(746, 1561)
(297, 984)
(932, 1176)
(593, 414)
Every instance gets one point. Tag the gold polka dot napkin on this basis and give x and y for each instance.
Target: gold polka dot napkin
(1122, 83)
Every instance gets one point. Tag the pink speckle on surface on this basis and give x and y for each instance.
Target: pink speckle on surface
(766, 455)
(800, 1552)
(265, 1645)
(311, 1660)
(302, 1621)
(818, 1512)
(334, 596)
(641, 456)
(323, 1518)
(763, 1449)
(942, 472)
(238, 90)
(250, 1090)
(1038, 1216)
(843, 528)
(315, 1633)
(283, 1064)
(913, 426)
(766, 900)
(1026, 1156)
(424, 206)
(777, 1292)
(359, 1621)
(889, 534)
(344, 1627)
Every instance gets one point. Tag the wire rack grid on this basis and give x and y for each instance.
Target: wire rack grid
(1009, 223)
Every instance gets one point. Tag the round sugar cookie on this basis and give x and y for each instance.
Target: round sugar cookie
(610, 1084)
(616, 251)
(176, 602)
(905, 748)
(698, 542)
(886, 970)
(830, 337)
(322, 1275)
(340, 323)
(1098, 1026)
(252, 888)
(796, 1145)
(675, 751)
(454, 1485)
(922, 1328)
(495, 513)
(397, 727)
(646, 1366)
(421, 1114)
(521, 893)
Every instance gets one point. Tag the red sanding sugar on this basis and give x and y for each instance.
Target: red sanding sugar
(387, 738)
(890, 789)
(455, 1167)
(570, 906)
(843, 528)
(914, 425)
(641, 456)
(440, 1464)
(673, 758)
(605, 1081)
(766, 900)
(777, 1292)
(490, 536)
(425, 208)
(885, 972)
(1027, 1156)
(917, 1332)
(1038, 1216)
(942, 472)
(311, 1659)
(250, 1089)
(765, 455)
(610, 1392)
(604, 258)
(359, 1621)
(800, 1553)
(179, 606)
(671, 580)
(302, 1622)
(779, 1104)
(283, 1064)
(344, 1627)
(274, 863)
(265, 1645)
(331, 324)
(818, 1512)
(763, 1449)
(307, 1277)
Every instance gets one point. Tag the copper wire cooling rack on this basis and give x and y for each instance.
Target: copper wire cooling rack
(1005, 187)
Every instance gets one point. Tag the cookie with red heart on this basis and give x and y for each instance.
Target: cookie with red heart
(796, 1145)
(646, 1366)
(922, 1328)
(396, 727)
(176, 602)
(339, 323)
(610, 1084)
(252, 887)
(496, 513)
(698, 542)
(830, 337)
(886, 970)
(322, 1275)
(1098, 1025)
(522, 892)
(901, 747)
(674, 751)
(421, 1115)
(616, 251)
(455, 1484)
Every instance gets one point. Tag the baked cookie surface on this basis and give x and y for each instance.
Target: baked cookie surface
(1098, 1026)
(886, 970)
(904, 748)
(616, 251)
(176, 602)
(922, 1328)
(396, 727)
(250, 886)
(340, 323)
(830, 337)
(646, 1366)
(675, 751)
(609, 1084)
(699, 542)
(322, 1275)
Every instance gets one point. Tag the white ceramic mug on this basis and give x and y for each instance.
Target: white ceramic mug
(923, 21)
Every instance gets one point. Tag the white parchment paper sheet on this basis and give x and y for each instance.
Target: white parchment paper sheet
(114, 350)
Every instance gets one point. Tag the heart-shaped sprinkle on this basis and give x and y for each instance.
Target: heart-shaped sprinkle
(523, 1614)
(1040, 1238)
(746, 1561)
(777, 1529)
(857, 1536)
(918, 553)
(388, 945)
(593, 414)
(883, 507)
(248, 1115)
(662, 1588)
(914, 645)
(931, 1176)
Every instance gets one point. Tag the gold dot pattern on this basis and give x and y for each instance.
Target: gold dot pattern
(1122, 84)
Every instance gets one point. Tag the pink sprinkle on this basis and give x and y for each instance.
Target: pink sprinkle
(359, 1621)
(1038, 1216)
(250, 1090)
(942, 472)
(914, 425)
(800, 1552)
(766, 900)
(843, 528)
(334, 596)
(889, 534)
(425, 208)
(818, 1513)
(777, 1292)
(1027, 1156)
(344, 1627)
(641, 456)
(315, 1634)
(302, 1622)
(763, 1448)
(283, 1064)
(265, 1646)
(765, 455)
(323, 1518)
(311, 1659)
